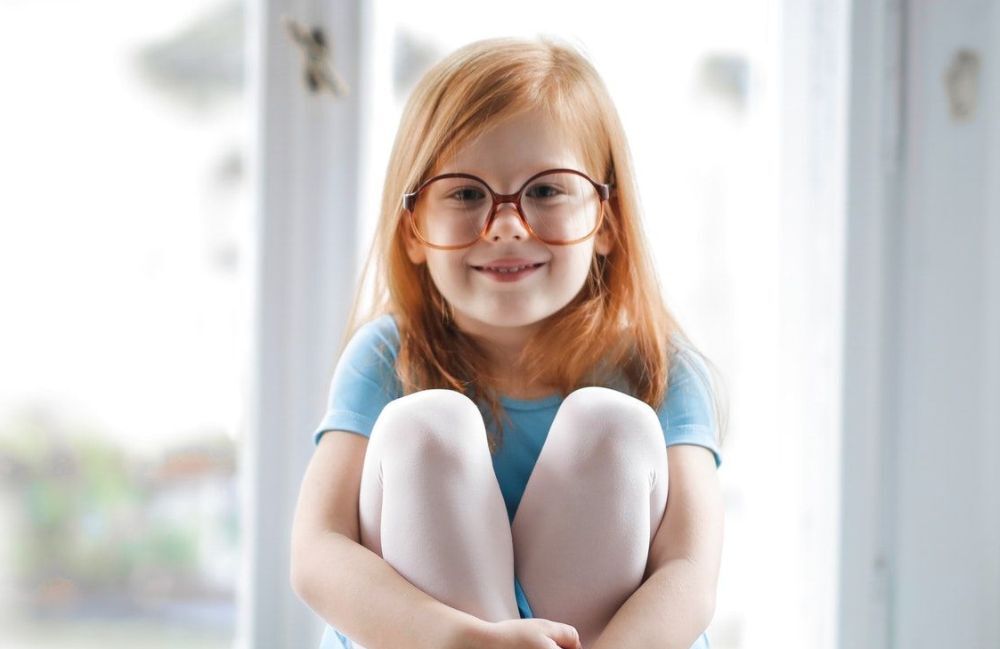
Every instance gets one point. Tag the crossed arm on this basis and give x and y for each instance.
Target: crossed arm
(676, 600)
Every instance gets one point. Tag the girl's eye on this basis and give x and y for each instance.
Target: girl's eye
(466, 194)
(543, 191)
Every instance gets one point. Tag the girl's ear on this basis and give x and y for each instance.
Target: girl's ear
(603, 241)
(414, 249)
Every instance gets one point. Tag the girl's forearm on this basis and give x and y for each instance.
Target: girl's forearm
(363, 596)
(669, 611)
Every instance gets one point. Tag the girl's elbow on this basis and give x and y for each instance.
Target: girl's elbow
(708, 609)
(297, 580)
(299, 572)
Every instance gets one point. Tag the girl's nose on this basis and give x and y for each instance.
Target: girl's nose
(507, 224)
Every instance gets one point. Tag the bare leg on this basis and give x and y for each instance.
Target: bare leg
(430, 504)
(591, 507)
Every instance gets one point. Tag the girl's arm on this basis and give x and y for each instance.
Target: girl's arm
(348, 585)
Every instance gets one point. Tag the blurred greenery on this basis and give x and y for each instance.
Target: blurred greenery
(87, 515)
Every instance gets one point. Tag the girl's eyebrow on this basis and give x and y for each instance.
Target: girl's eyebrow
(521, 177)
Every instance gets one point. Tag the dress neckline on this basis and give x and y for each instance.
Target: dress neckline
(531, 404)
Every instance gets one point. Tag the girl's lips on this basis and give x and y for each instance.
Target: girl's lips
(506, 263)
(511, 275)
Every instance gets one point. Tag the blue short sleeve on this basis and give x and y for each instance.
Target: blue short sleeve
(688, 414)
(364, 380)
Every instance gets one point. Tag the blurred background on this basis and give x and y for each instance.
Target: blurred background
(183, 215)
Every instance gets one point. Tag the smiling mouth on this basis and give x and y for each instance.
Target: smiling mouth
(503, 270)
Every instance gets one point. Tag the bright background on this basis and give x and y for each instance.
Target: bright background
(130, 137)
(124, 276)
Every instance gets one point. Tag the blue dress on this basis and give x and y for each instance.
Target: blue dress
(364, 381)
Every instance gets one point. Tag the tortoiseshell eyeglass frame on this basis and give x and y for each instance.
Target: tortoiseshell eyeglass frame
(604, 191)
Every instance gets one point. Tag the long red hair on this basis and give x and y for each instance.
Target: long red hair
(617, 327)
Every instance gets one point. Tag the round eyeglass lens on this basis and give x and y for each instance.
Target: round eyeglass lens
(452, 211)
(561, 206)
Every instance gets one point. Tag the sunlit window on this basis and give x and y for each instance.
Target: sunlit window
(122, 246)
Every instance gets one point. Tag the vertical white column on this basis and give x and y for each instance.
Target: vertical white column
(945, 589)
(304, 165)
(868, 482)
(989, 466)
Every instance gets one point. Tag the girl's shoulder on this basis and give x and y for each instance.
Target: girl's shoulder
(689, 412)
(686, 361)
(692, 380)
(381, 331)
(384, 325)
(364, 379)
(373, 347)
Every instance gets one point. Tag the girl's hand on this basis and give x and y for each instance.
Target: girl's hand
(531, 633)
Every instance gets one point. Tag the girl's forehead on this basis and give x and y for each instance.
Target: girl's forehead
(515, 149)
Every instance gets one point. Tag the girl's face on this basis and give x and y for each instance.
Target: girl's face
(483, 302)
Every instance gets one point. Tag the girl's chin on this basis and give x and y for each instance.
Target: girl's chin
(498, 319)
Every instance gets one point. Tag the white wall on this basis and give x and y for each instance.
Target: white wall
(947, 508)
(921, 526)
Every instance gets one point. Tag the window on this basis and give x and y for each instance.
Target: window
(124, 289)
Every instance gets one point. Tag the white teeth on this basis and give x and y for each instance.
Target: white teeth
(511, 269)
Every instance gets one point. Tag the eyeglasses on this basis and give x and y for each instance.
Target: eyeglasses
(557, 206)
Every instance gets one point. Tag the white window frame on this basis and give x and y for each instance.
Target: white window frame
(873, 195)
(920, 559)
(305, 179)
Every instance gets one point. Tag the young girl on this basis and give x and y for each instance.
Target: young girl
(493, 466)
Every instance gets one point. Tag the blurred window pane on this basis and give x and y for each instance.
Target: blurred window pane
(123, 234)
